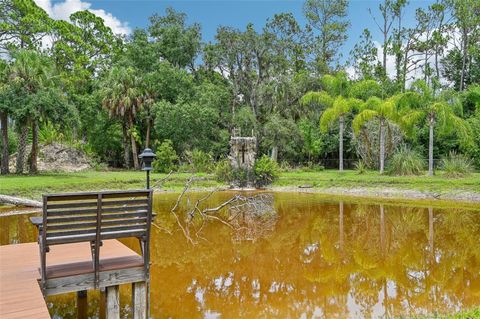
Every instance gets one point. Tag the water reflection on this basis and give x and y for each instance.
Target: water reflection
(315, 259)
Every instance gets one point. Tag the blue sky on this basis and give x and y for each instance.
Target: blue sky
(236, 13)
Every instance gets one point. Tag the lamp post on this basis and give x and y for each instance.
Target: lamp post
(147, 158)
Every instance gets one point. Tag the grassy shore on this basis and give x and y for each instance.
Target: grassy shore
(351, 179)
(34, 186)
(347, 183)
(470, 314)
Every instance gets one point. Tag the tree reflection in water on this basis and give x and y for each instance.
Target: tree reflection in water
(313, 259)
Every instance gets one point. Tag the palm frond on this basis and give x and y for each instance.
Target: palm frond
(373, 103)
(362, 118)
(328, 117)
(322, 98)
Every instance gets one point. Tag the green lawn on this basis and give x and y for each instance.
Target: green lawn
(470, 314)
(34, 186)
(351, 179)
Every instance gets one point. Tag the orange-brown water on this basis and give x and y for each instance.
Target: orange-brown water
(312, 259)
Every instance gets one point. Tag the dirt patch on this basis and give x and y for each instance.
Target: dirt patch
(57, 157)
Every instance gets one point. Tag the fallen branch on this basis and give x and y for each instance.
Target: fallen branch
(17, 201)
(250, 217)
(19, 212)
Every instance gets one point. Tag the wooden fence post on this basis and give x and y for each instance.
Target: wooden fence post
(139, 300)
(103, 304)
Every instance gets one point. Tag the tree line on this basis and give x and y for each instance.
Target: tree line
(77, 82)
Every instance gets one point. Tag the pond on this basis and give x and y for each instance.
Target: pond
(313, 258)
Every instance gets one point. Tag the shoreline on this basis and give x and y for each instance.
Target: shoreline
(329, 183)
(389, 193)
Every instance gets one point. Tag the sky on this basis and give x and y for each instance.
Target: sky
(123, 16)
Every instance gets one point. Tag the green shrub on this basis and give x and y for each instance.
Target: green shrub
(48, 134)
(200, 161)
(405, 162)
(313, 167)
(456, 165)
(285, 166)
(223, 171)
(167, 158)
(266, 171)
(241, 178)
(360, 167)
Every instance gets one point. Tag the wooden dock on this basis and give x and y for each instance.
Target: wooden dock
(20, 293)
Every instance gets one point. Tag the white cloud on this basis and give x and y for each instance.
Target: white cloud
(63, 10)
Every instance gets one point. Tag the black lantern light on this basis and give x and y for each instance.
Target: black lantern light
(147, 158)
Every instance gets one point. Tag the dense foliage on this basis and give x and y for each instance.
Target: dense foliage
(406, 162)
(163, 87)
(266, 171)
(456, 165)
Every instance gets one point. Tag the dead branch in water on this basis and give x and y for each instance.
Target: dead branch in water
(250, 217)
(159, 183)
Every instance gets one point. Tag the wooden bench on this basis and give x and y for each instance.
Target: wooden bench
(94, 217)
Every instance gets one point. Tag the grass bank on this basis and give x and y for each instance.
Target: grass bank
(329, 181)
(470, 314)
(34, 186)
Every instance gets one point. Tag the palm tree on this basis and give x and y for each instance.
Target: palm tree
(382, 111)
(336, 105)
(148, 100)
(122, 95)
(31, 73)
(336, 110)
(438, 112)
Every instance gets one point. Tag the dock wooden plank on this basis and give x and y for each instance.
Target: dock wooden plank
(20, 294)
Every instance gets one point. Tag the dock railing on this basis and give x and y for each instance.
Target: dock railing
(95, 217)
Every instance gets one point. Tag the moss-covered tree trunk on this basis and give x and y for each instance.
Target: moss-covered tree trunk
(126, 147)
(22, 146)
(5, 156)
(382, 146)
(147, 137)
(34, 151)
(134, 143)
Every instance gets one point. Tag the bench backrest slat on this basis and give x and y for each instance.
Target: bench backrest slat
(80, 216)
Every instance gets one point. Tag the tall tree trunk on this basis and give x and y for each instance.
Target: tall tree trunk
(34, 151)
(126, 146)
(134, 143)
(382, 145)
(340, 142)
(385, 45)
(22, 145)
(464, 58)
(430, 147)
(5, 156)
(147, 138)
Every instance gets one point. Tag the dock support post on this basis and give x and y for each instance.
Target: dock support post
(103, 304)
(82, 304)
(113, 302)
(139, 300)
